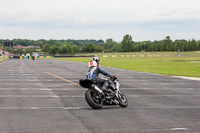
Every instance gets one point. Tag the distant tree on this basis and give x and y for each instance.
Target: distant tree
(181, 44)
(111, 44)
(76, 49)
(162, 46)
(58, 44)
(46, 48)
(168, 44)
(99, 48)
(70, 49)
(109, 40)
(43, 41)
(22, 42)
(51, 42)
(19, 51)
(175, 46)
(194, 45)
(152, 47)
(54, 50)
(127, 44)
(89, 48)
(63, 50)
(167, 37)
(188, 46)
(39, 43)
(198, 45)
(116, 48)
(137, 47)
(31, 43)
(8, 49)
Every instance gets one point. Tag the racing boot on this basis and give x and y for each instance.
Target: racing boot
(105, 87)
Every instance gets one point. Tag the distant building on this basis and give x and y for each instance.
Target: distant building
(24, 47)
(38, 53)
(36, 47)
(20, 46)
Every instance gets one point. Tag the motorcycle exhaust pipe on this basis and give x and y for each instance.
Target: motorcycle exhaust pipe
(98, 89)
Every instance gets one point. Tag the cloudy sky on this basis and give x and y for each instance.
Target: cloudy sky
(100, 19)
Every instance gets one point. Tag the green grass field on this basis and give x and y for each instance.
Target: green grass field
(1, 59)
(187, 64)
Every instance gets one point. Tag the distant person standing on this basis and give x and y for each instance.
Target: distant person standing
(22, 56)
(33, 57)
(28, 56)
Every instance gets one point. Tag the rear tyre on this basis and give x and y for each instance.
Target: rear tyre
(123, 101)
(94, 99)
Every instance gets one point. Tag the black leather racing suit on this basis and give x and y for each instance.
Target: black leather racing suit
(93, 74)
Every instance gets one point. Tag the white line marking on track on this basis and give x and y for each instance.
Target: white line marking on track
(61, 84)
(136, 96)
(163, 95)
(40, 96)
(68, 96)
(179, 129)
(19, 84)
(32, 80)
(44, 89)
(55, 96)
(168, 107)
(36, 108)
(156, 88)
(189, 78)
(62, 89)
(67, 108)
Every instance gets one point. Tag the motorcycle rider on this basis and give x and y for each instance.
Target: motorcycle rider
(33, 57)
(93, 73)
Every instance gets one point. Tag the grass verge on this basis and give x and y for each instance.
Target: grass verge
(171, 65)
(1, 59)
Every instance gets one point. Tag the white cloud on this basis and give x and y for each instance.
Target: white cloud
(95, 17)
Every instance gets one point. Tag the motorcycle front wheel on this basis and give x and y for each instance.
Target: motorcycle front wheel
(123, 101)
(93, 99)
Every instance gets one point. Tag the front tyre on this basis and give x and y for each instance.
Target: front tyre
(123, 101)
(94, 99)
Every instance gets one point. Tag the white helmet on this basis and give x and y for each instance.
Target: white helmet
(96, 58)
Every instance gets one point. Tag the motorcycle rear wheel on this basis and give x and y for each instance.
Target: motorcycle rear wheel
(93, 99)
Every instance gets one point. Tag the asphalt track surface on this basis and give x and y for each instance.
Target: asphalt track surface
(42, 96)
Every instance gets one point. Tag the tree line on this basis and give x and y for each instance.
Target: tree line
(71, 47)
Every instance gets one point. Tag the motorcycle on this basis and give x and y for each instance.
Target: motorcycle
(96, 97)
